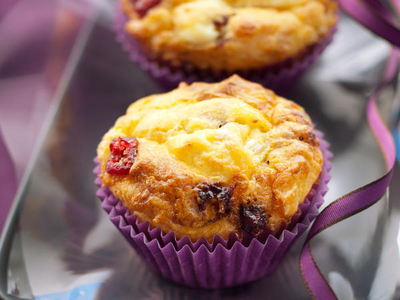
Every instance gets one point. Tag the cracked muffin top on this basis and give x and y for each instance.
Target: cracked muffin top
(207, 159)
(230, 35)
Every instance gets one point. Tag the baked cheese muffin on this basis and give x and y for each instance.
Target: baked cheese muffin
(228, 35)
(208, 159)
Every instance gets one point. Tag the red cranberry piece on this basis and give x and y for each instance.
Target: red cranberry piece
(254, 219)
(123, 154)
(142, 6)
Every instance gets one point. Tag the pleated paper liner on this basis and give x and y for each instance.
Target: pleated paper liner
(275, 77)
(222, 263)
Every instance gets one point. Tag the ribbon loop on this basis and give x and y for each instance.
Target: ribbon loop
(373, 15)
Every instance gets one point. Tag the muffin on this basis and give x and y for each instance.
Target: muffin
(227, 36)
(211, 164)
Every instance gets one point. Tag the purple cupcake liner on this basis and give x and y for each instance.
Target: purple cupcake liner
(222, 263)
(275, 77)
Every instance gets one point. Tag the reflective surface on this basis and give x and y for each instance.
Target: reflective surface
(64, 246)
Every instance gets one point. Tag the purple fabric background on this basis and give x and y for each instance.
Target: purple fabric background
(39, 36)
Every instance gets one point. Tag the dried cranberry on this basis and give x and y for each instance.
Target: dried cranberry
(142, 6)
(123, 154)
(215, 194)
(253, 219)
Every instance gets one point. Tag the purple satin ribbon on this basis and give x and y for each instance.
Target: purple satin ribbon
(373, 15)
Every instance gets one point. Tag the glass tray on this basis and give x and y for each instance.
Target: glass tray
(61, 245)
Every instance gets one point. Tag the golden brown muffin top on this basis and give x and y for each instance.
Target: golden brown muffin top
(229, 35)
(208, 159)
